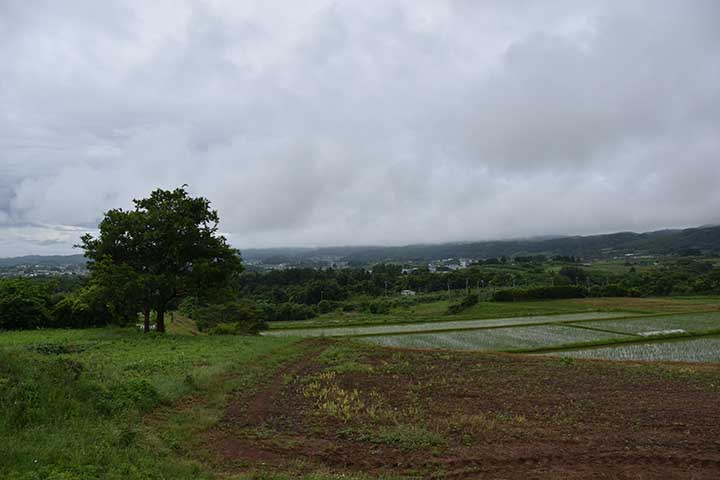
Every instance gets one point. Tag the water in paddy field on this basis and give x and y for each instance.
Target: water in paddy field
(511, 338)
(451, 325)
(689, 350)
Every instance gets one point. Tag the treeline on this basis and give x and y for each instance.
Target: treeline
(310, 287)
(299, 294)
(565, 291)
(35, 303)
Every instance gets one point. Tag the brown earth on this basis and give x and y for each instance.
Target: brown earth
(657, 305)
(352, 409)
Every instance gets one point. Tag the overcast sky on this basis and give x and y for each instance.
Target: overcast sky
(360, 122)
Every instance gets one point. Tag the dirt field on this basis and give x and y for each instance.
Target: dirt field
(345, 408)
(650, 305)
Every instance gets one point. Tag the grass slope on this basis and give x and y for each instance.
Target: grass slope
(72, 402)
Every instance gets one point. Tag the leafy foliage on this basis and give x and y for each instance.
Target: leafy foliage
(467, 302)
(231, 318)
(24, 304)
(540, 293)
(166, 249)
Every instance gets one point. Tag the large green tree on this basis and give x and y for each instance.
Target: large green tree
(166, 248)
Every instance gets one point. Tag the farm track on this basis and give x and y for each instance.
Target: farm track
(241, 413)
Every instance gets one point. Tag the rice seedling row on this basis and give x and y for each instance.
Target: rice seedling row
(698, 323)
(705, 349)
(443, 326)
(500, 339)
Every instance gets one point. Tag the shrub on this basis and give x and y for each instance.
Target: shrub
(84, 309)
(325, 306)
(288, 311)
(247, 318)
(350, 307)
(379, 308)
(236, 328)
(24, 304)
(468, 301)
(614, 290)
(540, 293)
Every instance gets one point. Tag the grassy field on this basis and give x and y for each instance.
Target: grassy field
(642, 320)
(72, 401)
(436, 311)
(116, 404)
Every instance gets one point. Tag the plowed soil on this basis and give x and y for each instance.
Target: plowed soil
(352, 409)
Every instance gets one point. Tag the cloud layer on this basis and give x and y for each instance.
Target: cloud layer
(361, 122)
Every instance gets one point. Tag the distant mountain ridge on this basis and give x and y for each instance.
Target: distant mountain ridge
(43, 259)
(661, 242)
(705, 239)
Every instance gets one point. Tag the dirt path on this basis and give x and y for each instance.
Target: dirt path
(242, 412)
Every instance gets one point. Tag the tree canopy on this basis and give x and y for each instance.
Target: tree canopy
(166, 248)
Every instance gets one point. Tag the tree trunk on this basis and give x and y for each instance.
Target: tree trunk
(160, 322)
(146, 315)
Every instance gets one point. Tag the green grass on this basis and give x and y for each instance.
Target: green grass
(72, 401)
(406, 437)
(436, 311)
(104, 403)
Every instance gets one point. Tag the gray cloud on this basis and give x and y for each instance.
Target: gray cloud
(322, 122)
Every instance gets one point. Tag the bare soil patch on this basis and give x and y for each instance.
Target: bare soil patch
(347, 408)
(664, 305)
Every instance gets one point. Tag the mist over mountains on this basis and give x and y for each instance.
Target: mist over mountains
(704, 239)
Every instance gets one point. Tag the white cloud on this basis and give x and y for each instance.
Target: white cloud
(320, 122)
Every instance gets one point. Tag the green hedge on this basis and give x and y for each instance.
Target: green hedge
(540, 293)
(467, 302)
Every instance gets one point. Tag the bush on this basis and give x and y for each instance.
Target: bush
(83, 309)
(246, 318)
(614, 290)
(539, 293)
(379, 308)
(24, 304)
(325, 306)
(288, 311)
(237, 328)
(503, 296)
(350, 307)
(468, 301)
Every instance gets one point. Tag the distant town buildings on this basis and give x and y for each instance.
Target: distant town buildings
(41, 270)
